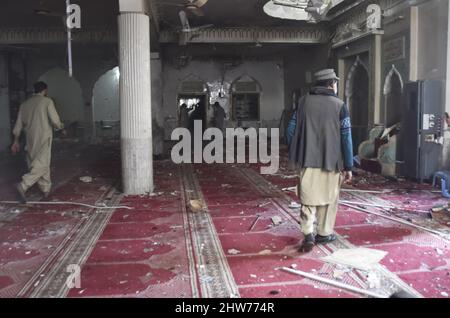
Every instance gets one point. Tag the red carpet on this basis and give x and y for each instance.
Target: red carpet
(160, 249)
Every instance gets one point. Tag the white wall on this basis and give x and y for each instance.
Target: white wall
(432, 52)
(105, 100)
(66, 93)
(433, 28)
(268, 73)
(89, 66)
(157, 105)
(5, 129)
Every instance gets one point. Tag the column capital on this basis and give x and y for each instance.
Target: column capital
(135, 6)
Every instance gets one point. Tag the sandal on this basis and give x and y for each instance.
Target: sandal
(325, 239)
(308, 244)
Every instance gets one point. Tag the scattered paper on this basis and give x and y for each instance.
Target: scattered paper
(289, 176)
(233, 251)
(276, 220)
(290, 189)
(206, 279)
(361, 258)
(196, 206)
(374, 280)
(295, 205)
(86, 179)
(338, 274)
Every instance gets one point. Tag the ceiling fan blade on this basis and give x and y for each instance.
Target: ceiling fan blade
(48, 13)
(198, 3)
(171, 4)
(201, 27)
(195, 11)
(184, 20)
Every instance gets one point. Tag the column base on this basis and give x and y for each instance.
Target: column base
(137, 166)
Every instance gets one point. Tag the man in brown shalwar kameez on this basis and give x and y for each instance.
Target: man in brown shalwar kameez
(37, 118)
(321, 149)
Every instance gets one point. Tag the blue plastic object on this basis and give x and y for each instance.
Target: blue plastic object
(444, 188)
(290, 131)
(445, 182)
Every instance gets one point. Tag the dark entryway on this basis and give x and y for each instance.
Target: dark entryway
(393, 101)
(359, 106)
(197, 109)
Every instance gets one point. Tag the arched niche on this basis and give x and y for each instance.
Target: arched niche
(193, 90)
(392, 91)
(357, 98)
(67, 94)
(105, 97)
(245, 98)
(106, 105)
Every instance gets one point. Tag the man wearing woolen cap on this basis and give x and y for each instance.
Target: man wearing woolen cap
(322, 151)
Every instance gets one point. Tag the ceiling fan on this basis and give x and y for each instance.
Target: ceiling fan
(185, 25)
(44, 10)
(186, 29)
(190, 6)
(318, 9)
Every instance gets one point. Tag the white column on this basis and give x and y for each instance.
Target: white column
(446, 148)
(157, 105)
(414, 45)
(135, 103)
(5, 129)
(447, 86)
(377, 80)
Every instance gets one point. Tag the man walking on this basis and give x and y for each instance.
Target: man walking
(37, 117)
(219, 116)
(321, 148)
(184, 116)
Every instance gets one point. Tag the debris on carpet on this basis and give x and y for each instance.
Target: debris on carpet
(291, 189)
(86, 179)
(197, 206)
(295, 205)
(276, 220)
(334, 283)
(233, 251)
(254, 223)
(360, 258)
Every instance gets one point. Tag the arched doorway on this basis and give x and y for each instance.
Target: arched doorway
(393, 90)
(192, 103)
(357, 92)
(106, 105)
(67, 94)
(245, 100)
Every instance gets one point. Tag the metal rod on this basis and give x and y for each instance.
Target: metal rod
(365, 191)
(367, 204)
(334, 283)
(387, 190)
(69, 43)
(254, 223)
(69, 203)
(397, 220)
